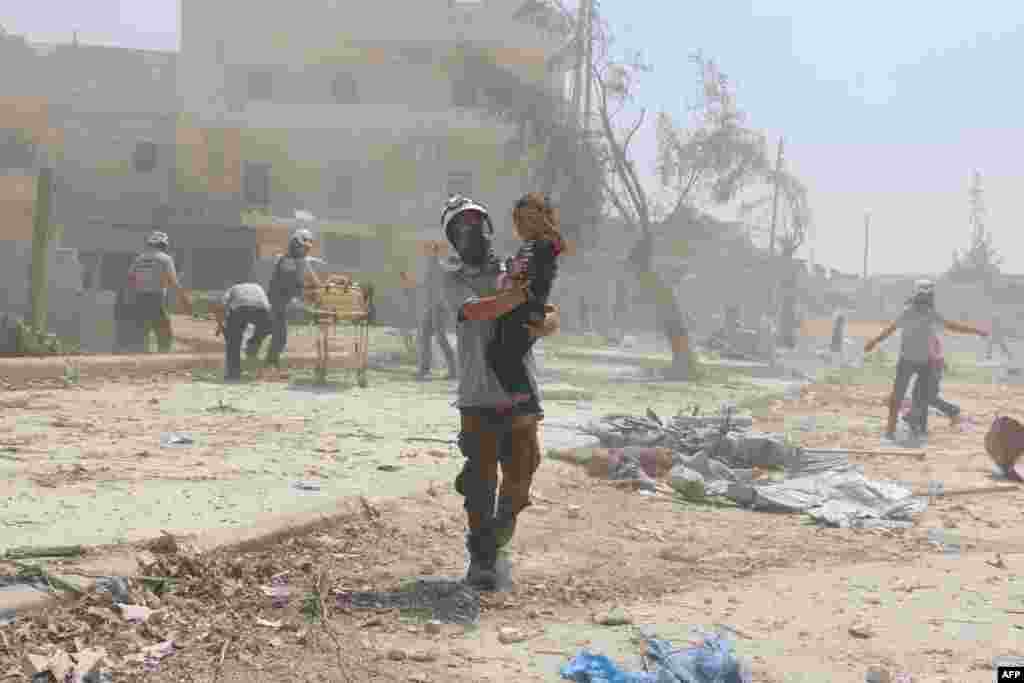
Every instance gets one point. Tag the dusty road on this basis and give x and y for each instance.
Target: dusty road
(810, 603)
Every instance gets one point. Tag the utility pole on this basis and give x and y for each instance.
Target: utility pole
(775, 200)
(42, 235)
(867, 229)
(588, 61)
(581, 56)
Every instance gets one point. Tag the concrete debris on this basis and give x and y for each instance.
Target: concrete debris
(688, 483)
(711, 462)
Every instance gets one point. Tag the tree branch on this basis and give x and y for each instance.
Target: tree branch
(620, 162)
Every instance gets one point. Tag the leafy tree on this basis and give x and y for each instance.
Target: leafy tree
(979, 262)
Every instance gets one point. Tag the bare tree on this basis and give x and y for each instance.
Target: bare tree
(707, 163)
(979, 262)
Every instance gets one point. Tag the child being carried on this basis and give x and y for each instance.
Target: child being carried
(536, 223)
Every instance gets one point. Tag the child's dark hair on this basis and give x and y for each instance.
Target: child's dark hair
(536, 217)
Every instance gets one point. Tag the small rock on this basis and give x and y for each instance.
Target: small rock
(432, 627)
(508, 636)
(424, 656)
(615, 617)
(397, 655)
(574, 511)
(862, 630)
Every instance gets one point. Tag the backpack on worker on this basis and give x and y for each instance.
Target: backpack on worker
(1004, 443)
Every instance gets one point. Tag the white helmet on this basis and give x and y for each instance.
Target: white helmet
(924, 287)
(302, 237)
(457, 204)
(158, 239)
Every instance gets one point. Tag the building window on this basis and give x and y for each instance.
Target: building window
(144, 159)
(345, 89)
(459, 182)
(261, 85)
(256, 184)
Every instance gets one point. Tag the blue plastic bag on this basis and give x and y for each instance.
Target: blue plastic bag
(711, 662)
(587, 667)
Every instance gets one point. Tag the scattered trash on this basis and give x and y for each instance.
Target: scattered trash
(134, 613)
(877, 674)
(7, 617)
(167, 544)
(269, 624)
(712, 661)
(998, 563)
(843, 498)
(60, 666)
(688, 483)
(588, 667)
(306, 486)
(153, 654)
(862, 630)
(946, 541)
(45, 551)
(176, 440)
(615, 617)
(278, 590)
(449, 601)
(509, 636)
(573, 512)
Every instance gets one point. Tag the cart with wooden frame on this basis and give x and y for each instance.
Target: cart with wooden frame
(340, 300)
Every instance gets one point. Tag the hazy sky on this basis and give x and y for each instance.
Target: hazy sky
(885, 105)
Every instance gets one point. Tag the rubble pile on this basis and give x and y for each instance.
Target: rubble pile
(721, 456)
(224, 605)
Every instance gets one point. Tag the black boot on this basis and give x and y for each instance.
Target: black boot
(504, 523)
(460, 480)
(483, 557)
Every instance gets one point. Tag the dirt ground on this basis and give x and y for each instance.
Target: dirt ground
(809, 603)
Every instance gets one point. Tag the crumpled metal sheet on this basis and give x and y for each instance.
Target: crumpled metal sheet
(843, 498)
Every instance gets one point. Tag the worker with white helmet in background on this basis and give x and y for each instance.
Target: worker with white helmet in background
(919, 323)
(144, 298)
(287, 283)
